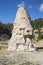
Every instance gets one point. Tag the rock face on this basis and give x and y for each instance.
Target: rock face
(22, 32)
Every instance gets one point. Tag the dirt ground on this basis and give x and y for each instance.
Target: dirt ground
(20, 58)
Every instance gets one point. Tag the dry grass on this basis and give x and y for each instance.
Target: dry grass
(3, 46)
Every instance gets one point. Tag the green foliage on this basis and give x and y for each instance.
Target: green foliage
(41, 36)
(5, 31)
(39, 33)
(37, 23)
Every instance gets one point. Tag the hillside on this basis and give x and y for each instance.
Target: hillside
(5, 29)
(37, 23)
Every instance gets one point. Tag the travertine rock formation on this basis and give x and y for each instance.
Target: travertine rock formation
(22, 32)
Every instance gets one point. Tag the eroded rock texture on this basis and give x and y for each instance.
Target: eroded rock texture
(22, 32)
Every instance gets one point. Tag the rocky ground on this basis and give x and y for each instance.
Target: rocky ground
(19, 58)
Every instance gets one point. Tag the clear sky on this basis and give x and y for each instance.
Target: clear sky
(8, 9)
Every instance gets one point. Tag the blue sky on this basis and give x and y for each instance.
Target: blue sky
(8, 9)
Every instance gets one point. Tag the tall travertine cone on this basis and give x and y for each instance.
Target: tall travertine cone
(22, 32)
